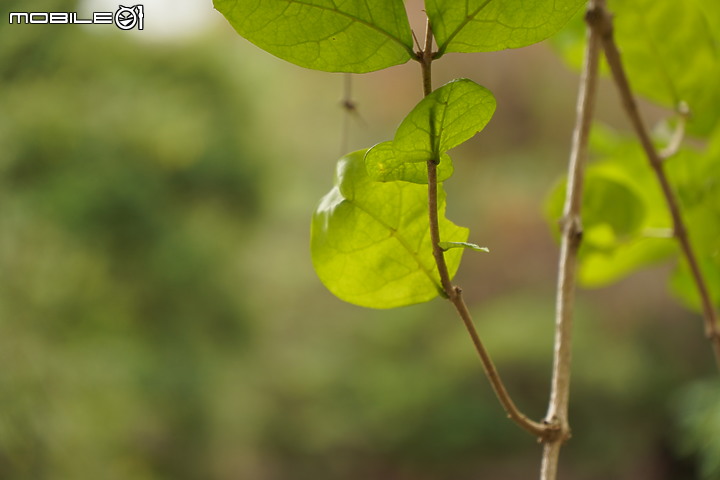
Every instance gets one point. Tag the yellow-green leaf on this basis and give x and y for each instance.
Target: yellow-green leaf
(442, 120)
(370, 241)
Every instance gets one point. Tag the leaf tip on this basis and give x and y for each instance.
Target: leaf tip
(445, 246)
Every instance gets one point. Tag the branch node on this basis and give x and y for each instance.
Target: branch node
(599, 19)
(556, 427)
(571, 226)
(555, 432)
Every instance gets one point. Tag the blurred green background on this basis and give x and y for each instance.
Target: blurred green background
(160, 319)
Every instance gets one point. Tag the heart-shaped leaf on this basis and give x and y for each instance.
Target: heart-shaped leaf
(354, 36)
(370, 241)
(443, 120)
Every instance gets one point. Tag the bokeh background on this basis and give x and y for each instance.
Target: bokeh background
(160, 318)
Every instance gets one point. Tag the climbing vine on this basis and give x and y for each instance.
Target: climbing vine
(380, 238)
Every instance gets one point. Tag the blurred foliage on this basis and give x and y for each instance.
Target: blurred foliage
(125, 175)
(627, 234)
(653, 38)
(670, 51)
(699, 412)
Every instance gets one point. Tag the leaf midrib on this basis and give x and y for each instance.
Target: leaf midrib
(468, 18)
(395, 234)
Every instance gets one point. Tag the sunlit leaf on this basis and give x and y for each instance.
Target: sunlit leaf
(384, 166)
(370, 241)
(351, 36)
(490, 25)
(443, 120)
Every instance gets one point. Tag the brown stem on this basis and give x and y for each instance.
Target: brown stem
(425, 57)
(453, 293)
(602, 23)
(426, 60)
(540, 430)
(557, 414)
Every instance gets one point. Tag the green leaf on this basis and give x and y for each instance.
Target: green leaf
(617, 243)
(491, 25)
(654, 38)
(354, 36)
(621, 216)
(682, 282)
(370, 241)
(602, 267)
(697, 180)
(442, 120)
(611, 208)
(445, 246)
(384, 166)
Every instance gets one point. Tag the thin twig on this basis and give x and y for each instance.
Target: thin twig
(602, 23)
(453, 293)
(557, 414)
(350, 109)
(540, 430)
(425, 57)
